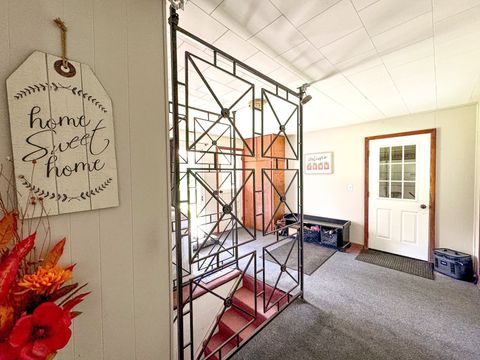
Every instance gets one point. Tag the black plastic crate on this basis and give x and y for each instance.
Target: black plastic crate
(331, 237)
(311, 236)
(453, 263)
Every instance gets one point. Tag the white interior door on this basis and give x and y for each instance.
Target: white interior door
(399, 192)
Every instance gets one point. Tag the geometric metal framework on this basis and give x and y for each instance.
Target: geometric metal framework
(210, 128)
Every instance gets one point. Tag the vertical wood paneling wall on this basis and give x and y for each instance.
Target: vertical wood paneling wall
(123, 253)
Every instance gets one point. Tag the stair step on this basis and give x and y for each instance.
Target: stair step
(233, 321)
(248, 283)
(216, 341)
(244, 299)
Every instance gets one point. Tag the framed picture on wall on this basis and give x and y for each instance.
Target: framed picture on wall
(319, 163)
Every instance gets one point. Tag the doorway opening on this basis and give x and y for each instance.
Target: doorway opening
(399, 194)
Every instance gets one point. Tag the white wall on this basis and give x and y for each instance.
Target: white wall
(123, 253)
(476, 218)
(327, 195)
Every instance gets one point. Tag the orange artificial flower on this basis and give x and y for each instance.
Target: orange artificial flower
(46, 280)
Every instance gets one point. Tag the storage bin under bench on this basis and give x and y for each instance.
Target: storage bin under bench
(331, 232)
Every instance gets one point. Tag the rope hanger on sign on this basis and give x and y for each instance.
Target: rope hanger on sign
(61, 25)
(63, 67)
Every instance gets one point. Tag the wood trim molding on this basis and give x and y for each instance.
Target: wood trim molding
(433, 172)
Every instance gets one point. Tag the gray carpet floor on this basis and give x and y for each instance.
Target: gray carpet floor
(356, 310)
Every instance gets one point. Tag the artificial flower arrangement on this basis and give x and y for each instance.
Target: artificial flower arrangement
(36, 304)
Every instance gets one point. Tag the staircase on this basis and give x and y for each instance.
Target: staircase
(234, 320)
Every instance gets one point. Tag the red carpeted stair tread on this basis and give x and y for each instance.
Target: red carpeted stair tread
(233, 321)
(216, 341)
(244, 298)
(278, 294)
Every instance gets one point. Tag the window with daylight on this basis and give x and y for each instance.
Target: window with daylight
(397, 172)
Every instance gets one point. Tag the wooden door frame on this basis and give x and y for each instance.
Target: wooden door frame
(433, 171)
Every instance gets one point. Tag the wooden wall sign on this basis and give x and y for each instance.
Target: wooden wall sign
(62, 130)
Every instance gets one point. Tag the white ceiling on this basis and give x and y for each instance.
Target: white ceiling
(375, 58)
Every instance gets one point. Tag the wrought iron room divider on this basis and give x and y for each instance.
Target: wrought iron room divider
(216, 127)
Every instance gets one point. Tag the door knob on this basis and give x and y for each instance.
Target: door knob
(423, 206)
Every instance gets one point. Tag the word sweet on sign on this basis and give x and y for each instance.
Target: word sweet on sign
(320, 163)
(62, 135)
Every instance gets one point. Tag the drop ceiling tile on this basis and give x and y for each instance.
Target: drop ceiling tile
(386, 14)
(234, 45)
(458, 34)
(457, 26)
(302, 56)
(417, 29)
(246, 17)
(416, 51)
(343, 92)
(360, 63)
(334, 23)
(207, 5)
(362, 4)
(210, 30)
(416, 82)
(186, 47)
(287, 78)
(300, 13)
(456, 78)
(378, 87)
(262, 63)
(319, 70)
(458, 45)
(355, 43)
(324, 112)
(278, 37)
(445, 8)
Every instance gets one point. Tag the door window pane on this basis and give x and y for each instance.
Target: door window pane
(409, 172)
(383, 189)
(384, 155)
(410, 153)
(384, 171)
(397, 172)
(397, 153)
(396, 190)
(409, 190)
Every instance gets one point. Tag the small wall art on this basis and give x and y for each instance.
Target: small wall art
(319, 163)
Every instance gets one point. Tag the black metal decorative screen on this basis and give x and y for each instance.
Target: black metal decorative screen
(236, 169)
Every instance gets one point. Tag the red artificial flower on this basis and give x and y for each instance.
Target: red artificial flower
(7, 352)
(44, 332)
